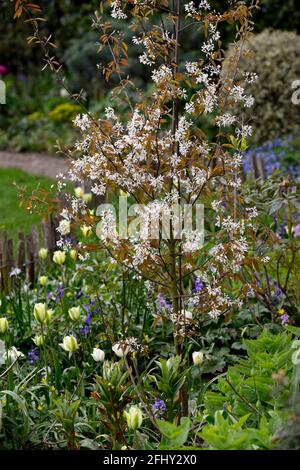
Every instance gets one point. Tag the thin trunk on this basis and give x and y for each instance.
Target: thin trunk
(175, 248)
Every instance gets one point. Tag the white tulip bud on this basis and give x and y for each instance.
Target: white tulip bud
(187, 315)
(38, 340)
(86, 230)
(120, 350)
(40, 313)
(50, 312)
(12, 354)
(73, 254)
(134, 417)
(43, 280)
(74, 313)
(79, 192)
(197, 357)
(43, 253)
(87, 197)
(3, 325)
(69, 344)
(59, 257)
(98, 355)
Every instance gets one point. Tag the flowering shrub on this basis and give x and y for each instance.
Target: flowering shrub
(161, 158)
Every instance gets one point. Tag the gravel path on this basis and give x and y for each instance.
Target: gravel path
(37, 163)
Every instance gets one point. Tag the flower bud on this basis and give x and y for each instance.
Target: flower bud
(43, 280)
(120, 350)
(59, 257)
(74, 313)
(12, 354)
(86, 230)
(69, 344)
(134, 417)
(79, 192)
(3, 325)
(38, 340)
(64, 227)
(43, 253)
(87, 197)
(98, 355)
(40, 313)
(73, 254)
(197, 358)
(50, 312)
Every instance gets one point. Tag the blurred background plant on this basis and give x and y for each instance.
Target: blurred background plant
(25, 124)
(244, 391)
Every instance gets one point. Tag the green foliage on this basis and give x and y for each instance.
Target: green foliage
(65, 412)
(250, 385)
(28, 123)
(278, 15)
(174, 436)
(228, 433)
(276, 286)
(64, 112)
(170, 379)
(112, 392)
(254, 390)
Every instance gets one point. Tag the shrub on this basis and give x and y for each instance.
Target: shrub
(64, 112)
(275, 57)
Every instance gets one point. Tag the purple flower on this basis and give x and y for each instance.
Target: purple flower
(49, 295)
(91, 310)
(88, 318)
(199, 285)
(79, 294)
(278, 294)
(284, 319)
(162, 303)
(159, 407)
(297, 230)
(84, 331)
(60, 293)
(33, 355)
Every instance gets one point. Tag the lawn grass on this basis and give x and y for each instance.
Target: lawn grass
(13, 218)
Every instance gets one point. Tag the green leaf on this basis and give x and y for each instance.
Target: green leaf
(175, 435)
(293, 329)
(243, 144)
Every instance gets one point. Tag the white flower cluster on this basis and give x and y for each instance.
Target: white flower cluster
(83, 122)
(110, 113)
(191, 9)
(225, 120)
(244, 131)
(250, 77)
(238, 94)
(162, 74)
(116, 10)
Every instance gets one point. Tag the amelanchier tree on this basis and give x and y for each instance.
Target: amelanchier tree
(159, 156)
